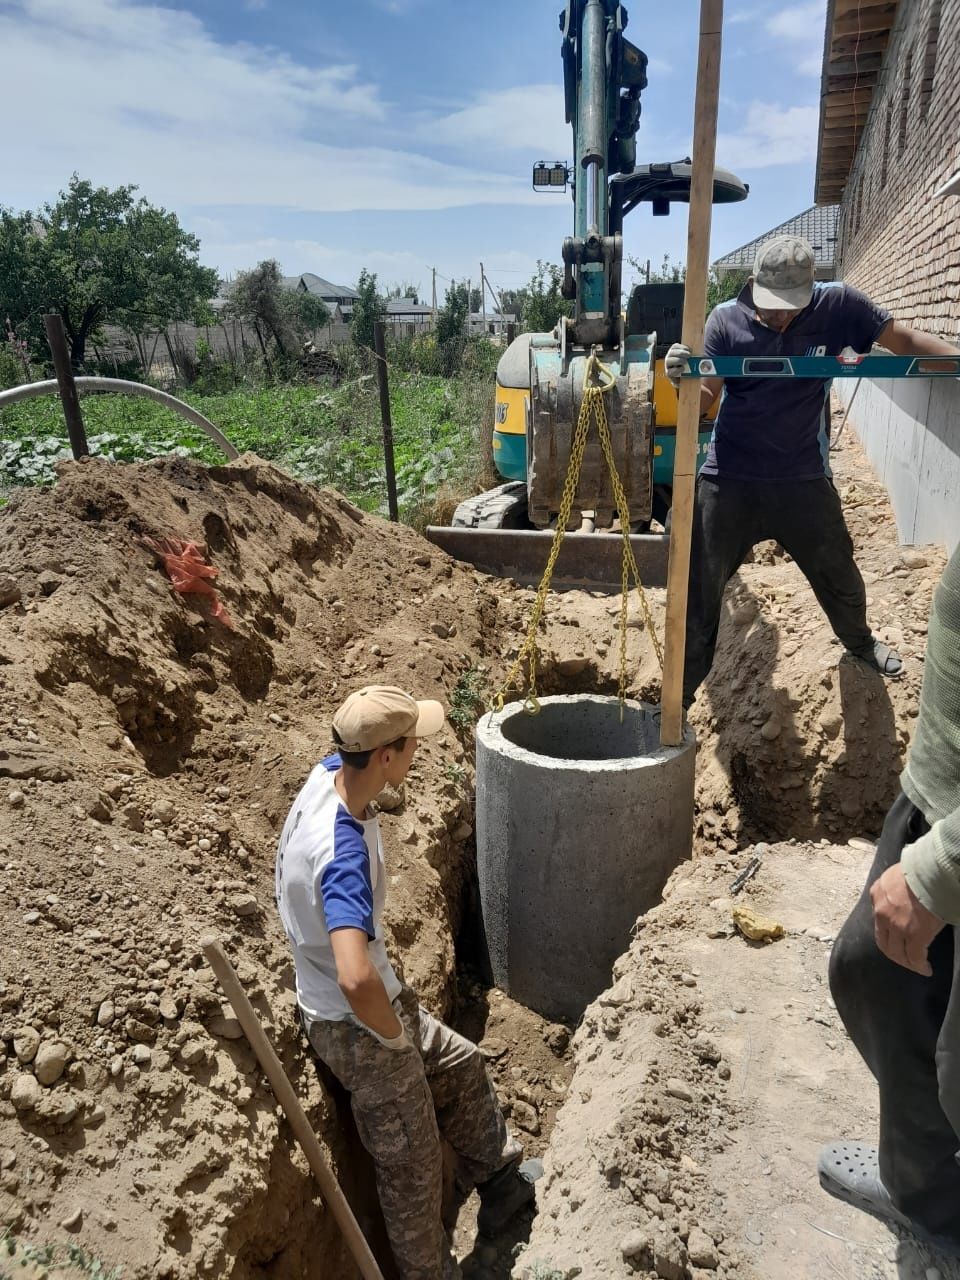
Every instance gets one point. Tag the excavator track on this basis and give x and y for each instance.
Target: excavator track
(502, 508)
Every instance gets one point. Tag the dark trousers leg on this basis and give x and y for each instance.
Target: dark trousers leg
(807, 520)
(907, 1030)
(725, 528)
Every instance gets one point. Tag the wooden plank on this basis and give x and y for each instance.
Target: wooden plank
(859, 46)
(694, 321)
(870, 20)
(284, 1093)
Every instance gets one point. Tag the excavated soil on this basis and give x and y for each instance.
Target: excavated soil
(708, 1077)
(147, 758)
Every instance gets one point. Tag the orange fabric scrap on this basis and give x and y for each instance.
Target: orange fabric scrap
(189, 572)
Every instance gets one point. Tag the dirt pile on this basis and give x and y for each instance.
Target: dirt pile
(147, 758)
(707, 1079)
(797, 740)
(712, 1070)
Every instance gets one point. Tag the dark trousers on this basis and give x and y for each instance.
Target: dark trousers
(907, 1030)
(730, 517)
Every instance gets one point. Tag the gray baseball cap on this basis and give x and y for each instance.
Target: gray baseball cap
(783, 273)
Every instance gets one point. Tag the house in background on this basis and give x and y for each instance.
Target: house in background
(339, 298)
(816, 225)
(889, 153)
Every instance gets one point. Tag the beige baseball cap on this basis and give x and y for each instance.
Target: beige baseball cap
(783, 274)
(381, 713)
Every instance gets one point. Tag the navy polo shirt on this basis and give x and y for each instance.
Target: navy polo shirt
(779, 428)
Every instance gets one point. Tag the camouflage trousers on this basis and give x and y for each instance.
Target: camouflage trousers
(402, 1101)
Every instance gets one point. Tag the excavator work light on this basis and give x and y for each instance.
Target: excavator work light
(550, 177)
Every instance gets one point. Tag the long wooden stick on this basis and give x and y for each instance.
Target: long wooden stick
(283, 1091)
(57, 339)
(694, 319)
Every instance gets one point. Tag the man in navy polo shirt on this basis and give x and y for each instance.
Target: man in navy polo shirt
(767, 472)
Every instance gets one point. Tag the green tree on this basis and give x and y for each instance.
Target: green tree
(539, 302)
(451, 327)
(369, 306)
(287, 316)
(99, 256)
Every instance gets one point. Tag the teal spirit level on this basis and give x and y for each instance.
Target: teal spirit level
(823, 367)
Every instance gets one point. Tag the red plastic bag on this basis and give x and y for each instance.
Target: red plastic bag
(189, 572)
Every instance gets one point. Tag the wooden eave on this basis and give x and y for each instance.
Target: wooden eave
(855, 41)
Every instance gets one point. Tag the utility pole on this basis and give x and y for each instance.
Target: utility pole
(483, 300)
(469, 306)
(434, 269)
(497, 303)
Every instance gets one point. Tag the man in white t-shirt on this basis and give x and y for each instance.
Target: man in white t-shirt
(410, 1078)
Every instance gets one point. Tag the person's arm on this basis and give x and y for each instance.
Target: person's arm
(919, 896)
(675, 363)
(903, 926)
(347, 896)
(362, 985)
(902, 341)
(710, 388)
(932, 868)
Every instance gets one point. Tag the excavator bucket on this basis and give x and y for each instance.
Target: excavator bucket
(590, 561)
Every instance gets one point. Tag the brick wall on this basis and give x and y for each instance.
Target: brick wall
(894, 241)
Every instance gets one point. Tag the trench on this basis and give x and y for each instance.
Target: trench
(527, 1053)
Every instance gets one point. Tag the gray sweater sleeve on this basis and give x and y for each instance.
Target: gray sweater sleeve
(932, 776)
(932, 868)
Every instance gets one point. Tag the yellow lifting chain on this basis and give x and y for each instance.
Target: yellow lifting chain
(593, 406)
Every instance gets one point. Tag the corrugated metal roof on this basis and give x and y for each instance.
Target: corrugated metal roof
(324, 288)
(818, 225)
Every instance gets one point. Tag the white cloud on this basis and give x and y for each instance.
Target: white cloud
(744, 15)
(801, 26)
(770, 135)
(528, 118)
(156, 100)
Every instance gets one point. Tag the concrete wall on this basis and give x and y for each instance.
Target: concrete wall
(911, 433)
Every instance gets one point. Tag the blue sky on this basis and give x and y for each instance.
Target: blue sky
(392, 134)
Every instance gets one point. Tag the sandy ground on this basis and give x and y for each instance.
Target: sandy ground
(734, 1156)
(147, 758)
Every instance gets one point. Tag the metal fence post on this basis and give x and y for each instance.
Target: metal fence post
(68, 389)
(379, 348)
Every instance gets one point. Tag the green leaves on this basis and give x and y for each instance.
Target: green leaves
(330, 436)
(99, 256)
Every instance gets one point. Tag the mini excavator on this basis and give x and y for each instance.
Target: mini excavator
(540, 377)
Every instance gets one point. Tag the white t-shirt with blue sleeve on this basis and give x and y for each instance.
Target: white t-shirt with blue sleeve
(330, 875)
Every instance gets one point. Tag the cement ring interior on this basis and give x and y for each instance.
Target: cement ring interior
(580, 821)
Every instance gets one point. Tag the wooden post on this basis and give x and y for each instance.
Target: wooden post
(68, 388)
(284, 1093)
(379, 348)
(511, 331)
(694, 320)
